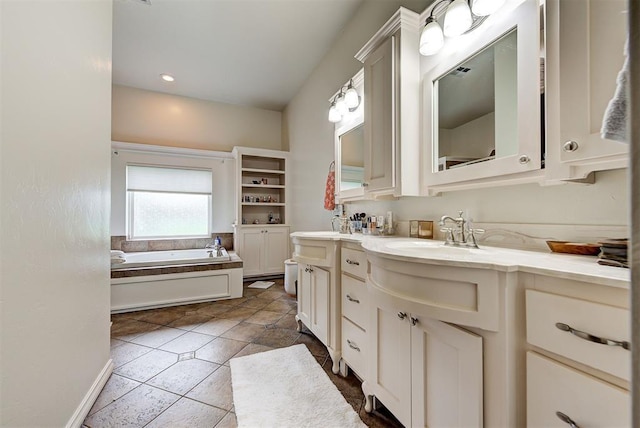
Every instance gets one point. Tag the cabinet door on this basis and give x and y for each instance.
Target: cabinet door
(251, 251)
(390, 357)
(379, 108)
(276, 248)
(304, 294)
(446, 374)
(587, 401)
(320, 284)
(585, 45)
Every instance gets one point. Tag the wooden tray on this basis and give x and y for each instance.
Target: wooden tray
(574, 248)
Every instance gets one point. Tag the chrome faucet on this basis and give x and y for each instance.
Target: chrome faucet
(462, 235)
(344, 226)
(214, 246)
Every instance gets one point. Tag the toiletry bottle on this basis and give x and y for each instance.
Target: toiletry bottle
(217, 242)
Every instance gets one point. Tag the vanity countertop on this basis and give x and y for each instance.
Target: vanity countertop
(568, 266)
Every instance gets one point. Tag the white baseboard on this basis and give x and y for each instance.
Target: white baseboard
(90, 398)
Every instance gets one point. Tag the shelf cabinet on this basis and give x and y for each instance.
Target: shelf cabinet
(262, 210)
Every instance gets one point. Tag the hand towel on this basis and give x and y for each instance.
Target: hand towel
(330, 189)
(614, 122)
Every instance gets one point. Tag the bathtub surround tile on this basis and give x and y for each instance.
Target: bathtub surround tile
(215, 390)
(245, 332)
(188, 342)
(116, 387)
(127, 352)
(159, 337)
(183, 376)
(148, 365)
(134, 246)
(216, 326)
(186, 413)
(135, 409)
(264, 317)
(220, 350)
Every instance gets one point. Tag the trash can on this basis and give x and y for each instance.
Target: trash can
(290, 276)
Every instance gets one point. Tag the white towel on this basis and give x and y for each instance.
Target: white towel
(117, 253)
(614, 122)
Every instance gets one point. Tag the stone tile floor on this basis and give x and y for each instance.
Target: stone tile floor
(172, 364)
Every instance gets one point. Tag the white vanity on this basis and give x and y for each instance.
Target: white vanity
(447, 336)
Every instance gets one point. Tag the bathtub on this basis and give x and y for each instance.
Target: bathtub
(171, 258)
(157, 279)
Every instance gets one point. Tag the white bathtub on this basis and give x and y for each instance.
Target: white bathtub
(171, 258)
(168, 289)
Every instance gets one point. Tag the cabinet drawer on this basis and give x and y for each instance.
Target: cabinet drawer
(545, 310)
(354, 262)
(354, 346)
(355, 300)
(589, 402)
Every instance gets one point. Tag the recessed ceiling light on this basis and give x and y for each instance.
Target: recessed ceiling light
(167, 77)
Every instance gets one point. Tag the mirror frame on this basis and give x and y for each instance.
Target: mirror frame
(525, 17)
(351, 121)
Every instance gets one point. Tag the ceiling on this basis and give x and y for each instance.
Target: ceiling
(246, 52)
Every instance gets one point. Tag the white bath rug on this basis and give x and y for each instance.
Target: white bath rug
(287, 387)
(261, 284)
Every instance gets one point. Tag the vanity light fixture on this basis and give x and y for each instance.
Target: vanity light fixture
(459, 19)
(346, 101)
(167, 77)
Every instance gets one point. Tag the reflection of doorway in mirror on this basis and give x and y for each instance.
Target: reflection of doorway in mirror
(477, 107)
(352, 158)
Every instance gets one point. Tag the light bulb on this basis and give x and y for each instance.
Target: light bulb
(431, 39)
(485, 7)
(341, 104)
(351, 98)
(457, 20)
(167, 77)
(334, 115)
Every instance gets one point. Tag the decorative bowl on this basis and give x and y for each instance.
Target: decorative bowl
(580, 248)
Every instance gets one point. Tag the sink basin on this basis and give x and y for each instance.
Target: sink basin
(431, 248)
(318, 234)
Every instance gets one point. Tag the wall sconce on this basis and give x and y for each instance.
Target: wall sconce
(459, 18)
(346, 101)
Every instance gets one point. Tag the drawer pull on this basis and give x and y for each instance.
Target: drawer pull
(402, 315)
(414, 320)
(353, 345)
(566, 419)
(351, 299)
(592, 338)
(352, 262)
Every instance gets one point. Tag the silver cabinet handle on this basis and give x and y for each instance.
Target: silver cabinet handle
(524, 159)
(351, 299)
(402, 315)
(570, 146)
(414, 320)
(566, 419)
(591, 338)
(351, 262)
(353, 345)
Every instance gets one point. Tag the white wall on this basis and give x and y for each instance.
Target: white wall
(223, 195)
(306, 131)
(147, 117)
(309, 135)
(54, 279)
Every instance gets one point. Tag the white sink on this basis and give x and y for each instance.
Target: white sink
(432, 248)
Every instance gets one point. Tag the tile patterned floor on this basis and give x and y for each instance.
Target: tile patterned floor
(172, 364)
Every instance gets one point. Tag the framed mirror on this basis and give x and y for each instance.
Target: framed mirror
(349, 150)
(481, 104)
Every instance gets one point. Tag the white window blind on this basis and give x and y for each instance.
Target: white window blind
(143, 178)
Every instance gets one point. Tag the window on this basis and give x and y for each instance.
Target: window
(168, 202)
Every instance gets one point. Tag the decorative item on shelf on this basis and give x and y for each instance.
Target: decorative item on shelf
(346, 101)
(579, 248)
(264, 181)
(614, 252)
(458, 19)
(257, 182)
(421, 229)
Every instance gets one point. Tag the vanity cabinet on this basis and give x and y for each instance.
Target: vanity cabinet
(426, 372)
(319, 290)
(263, 249)
(571, 376)
(585, 51)
(355, 309)
(391, 119)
